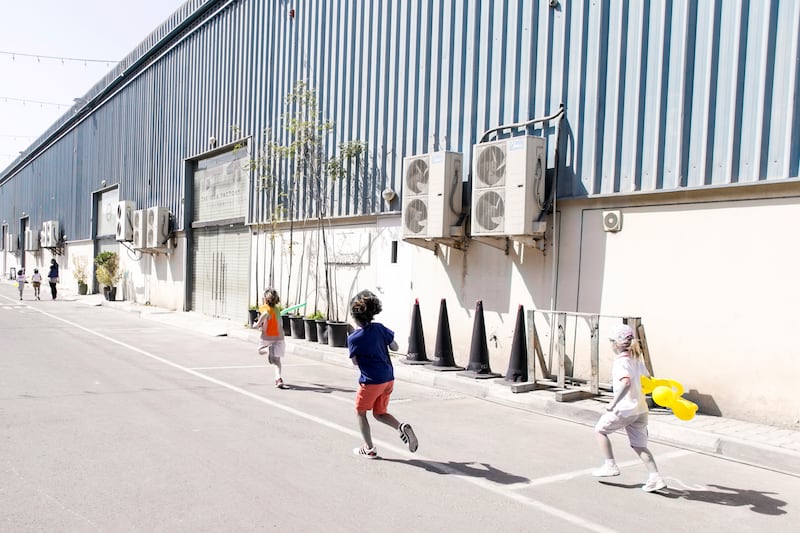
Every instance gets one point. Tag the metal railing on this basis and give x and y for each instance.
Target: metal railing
(572, 360)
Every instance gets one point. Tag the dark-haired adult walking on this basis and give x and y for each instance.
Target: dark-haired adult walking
(52, 277)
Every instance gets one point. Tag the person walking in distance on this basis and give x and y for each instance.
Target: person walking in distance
(628, 409)
(52, 277)
(271, 342)
(369, 351)
(21, 281)
(36, 281)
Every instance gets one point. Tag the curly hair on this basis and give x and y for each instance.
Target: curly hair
(364, 306)
(271, 297)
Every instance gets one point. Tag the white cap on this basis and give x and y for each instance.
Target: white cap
(621, 334)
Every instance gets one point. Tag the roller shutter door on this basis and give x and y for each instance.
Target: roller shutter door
(220, 259)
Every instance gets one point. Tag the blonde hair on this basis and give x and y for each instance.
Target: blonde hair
(636, 349)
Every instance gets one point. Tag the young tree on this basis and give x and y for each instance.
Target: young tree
(310, 168)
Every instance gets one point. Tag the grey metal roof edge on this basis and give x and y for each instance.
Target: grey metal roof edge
(149, 47)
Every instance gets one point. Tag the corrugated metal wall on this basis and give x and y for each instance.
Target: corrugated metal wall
(659, 95)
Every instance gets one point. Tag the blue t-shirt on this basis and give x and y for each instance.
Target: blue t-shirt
(369, 346)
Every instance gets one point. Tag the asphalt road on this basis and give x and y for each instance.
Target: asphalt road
(115, 423)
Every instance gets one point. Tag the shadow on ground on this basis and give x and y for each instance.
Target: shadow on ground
(317, 387)
(477, 470)
(758, 501)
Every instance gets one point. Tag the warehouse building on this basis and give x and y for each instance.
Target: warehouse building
(604, 159)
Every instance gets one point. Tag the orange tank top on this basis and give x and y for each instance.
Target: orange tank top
(272, 328)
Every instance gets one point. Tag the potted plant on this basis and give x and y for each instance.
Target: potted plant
(107, 273)
(311, 326)
(286, 322)
(253, 312)
(79, 265)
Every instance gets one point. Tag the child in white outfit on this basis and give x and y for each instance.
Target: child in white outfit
(36, 281)
(21, 281)
(627, 409)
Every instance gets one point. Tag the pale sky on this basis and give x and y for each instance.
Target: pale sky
(85, 29)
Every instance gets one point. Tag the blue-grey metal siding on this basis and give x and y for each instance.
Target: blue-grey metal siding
(659, 95)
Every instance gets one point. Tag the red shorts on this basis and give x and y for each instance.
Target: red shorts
(374, 398)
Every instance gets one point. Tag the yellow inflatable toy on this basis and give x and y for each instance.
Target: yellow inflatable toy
(667, 393)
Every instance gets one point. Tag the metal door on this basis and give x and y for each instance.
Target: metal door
(220, 259)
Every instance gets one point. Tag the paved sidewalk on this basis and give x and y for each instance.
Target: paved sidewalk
(757, 444)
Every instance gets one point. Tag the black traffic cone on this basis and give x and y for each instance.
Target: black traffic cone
(518, 362)
(443, 352)
(416, 340)
(478, 366)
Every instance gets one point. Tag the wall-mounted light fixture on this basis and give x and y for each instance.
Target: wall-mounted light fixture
(388, 194)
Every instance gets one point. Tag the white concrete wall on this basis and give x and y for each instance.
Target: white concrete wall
(148, 279)
(154, 279)
(66, 264)
(717, 288)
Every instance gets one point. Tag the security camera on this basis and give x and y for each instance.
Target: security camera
(554, 3)
(212, 141)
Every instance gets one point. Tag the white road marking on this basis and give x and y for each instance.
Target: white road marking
(226, 367)
(484, 484)
(566, 476)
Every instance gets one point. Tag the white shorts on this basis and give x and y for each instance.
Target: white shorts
(273, 349)
(635, 426)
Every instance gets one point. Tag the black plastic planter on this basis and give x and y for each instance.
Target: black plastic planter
(298, 328)
(322, 331)
(337, 334)
(311, 329)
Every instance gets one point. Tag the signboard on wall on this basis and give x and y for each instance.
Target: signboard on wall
(107, 212)
(350, 247)
(220, 187)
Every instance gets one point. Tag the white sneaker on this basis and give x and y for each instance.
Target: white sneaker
(652, 485)
(606, 471)
(366, 453)
(408, 436)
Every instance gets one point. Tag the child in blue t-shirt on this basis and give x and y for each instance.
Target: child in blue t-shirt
(368, 347)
